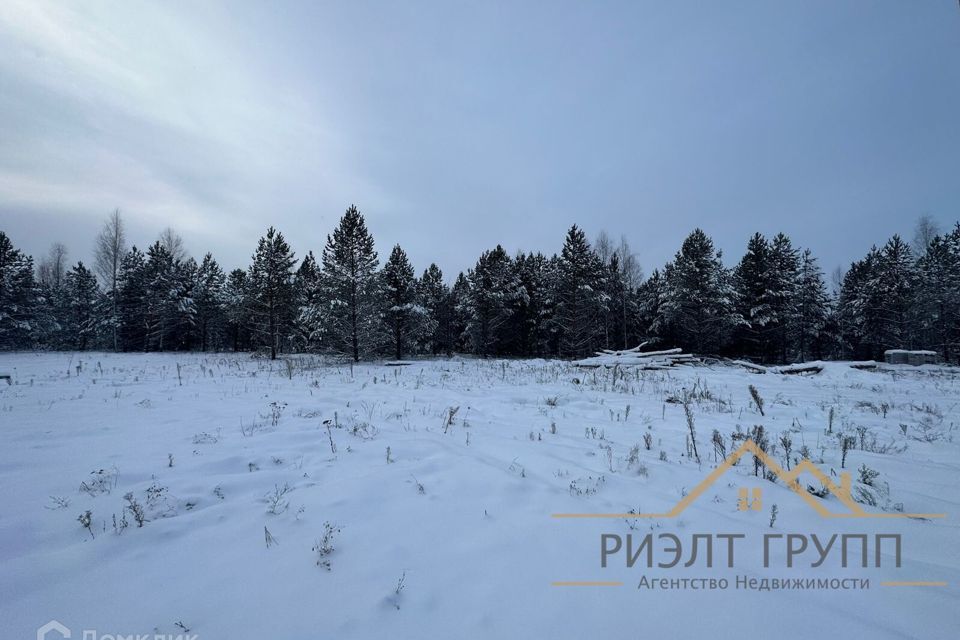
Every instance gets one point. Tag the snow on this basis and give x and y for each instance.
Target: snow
(477, 547)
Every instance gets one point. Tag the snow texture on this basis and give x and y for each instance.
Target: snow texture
(294, 499)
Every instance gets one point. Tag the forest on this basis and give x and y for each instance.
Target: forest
(773, 306)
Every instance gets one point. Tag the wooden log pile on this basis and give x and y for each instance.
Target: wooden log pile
(640, 359)
(801, 368)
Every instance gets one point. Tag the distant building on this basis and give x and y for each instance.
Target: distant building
(904, 356)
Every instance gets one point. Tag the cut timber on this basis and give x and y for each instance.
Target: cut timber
(665, 352)
(803, 368)
(749, 366)
(398, 363)
(620, 352)
(799, 368)
(7, 377)
(634, 358)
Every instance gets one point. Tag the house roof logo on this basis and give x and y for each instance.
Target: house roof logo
(790, 479)
(53, 625)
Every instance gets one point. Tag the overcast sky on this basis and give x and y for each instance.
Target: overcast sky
(455, 126)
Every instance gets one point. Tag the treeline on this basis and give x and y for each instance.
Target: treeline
(773, 306)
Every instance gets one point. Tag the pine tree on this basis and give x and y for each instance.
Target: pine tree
(893, 301)
(310, 320)
(237, 308)
(271, 288)
(43, 313)
(651, 319)
(533, 307)
(784, 263)
(160, 309)
(879, 305)
(754, 283)
(579, 295)
(18, 298)
(84, 308)
(854, 308)
(460, 314)
(698, 301)
(131, 301)
(774, 305)
(51, 278)
(209, 303)
(185, 321)
(403, 316)
(939, 294)
(811, 308)
(436, 299)
(349, 268)
(952, 320)
(492, 289)
(168, 305)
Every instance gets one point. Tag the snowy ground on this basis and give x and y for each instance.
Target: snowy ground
(463, 510)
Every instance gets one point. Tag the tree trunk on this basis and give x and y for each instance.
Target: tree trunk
(353, 324)
(398, 337)
(273, 332)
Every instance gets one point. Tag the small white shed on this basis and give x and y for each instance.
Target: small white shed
(906, 356)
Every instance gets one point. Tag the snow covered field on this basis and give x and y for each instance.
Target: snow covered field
(445, 475)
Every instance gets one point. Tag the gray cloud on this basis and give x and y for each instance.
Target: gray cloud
(455, 127)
